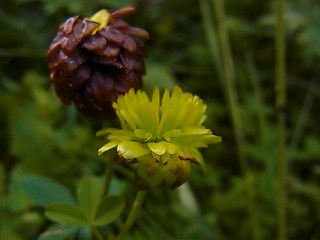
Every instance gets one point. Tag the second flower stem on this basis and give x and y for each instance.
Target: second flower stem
(132, 215)
(108, 175)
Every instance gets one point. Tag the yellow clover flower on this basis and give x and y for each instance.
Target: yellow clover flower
(162, 138)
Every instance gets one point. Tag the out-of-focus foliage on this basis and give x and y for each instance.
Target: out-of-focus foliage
(41, 136)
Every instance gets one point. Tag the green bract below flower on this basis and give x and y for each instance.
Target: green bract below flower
(162, 138)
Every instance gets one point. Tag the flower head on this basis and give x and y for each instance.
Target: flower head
(92, 61)
(162, 137)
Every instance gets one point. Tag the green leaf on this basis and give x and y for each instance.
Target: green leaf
(109, 209)
(89, 196)
(66, 213)
(58, 232)
(45, 191)
(84, 233)
(158, 76)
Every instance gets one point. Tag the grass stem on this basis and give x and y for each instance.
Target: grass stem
(232, 96)
(280, 78)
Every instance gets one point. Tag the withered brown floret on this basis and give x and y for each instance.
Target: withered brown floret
(91, 67)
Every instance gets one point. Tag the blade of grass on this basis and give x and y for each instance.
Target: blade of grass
(267, 158)
(211, 34)
(232, 96)
(304, 115)
(280, 87)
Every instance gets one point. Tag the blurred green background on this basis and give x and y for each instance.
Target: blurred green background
(41, 136)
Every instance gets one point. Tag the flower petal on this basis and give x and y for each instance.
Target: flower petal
(142, 134)
(130, 149)
(159, 148)
(108, 146)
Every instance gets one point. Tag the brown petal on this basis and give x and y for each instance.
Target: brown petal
(115, 16)
(62, 91)
(112, 35)
(130, 44)
(95, 43)
(141, 50)
(139, 32)
(120, 24)
(127, 81)
(79, 78)
(70, 63)
(111, 51)
(89, 27)
(67, 27)
(53, 55)
(128, 61)
(77, 30)
(69, 44)
(100, 87)
(105, 61)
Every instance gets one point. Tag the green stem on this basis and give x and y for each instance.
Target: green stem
(268, 176)
(97, 233)
(230, 83)
(232, 95)
(304, 115)
(132, 215)
(211, 34)
(280, 78)
(108, 175)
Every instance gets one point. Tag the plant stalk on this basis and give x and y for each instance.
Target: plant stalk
(212, 39)
(232, 95)
(268, 176)
(132, 215)
(304, 115)
(280, 78)
(108, 175)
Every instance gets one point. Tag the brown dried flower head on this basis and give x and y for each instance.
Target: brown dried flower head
(92, 61)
